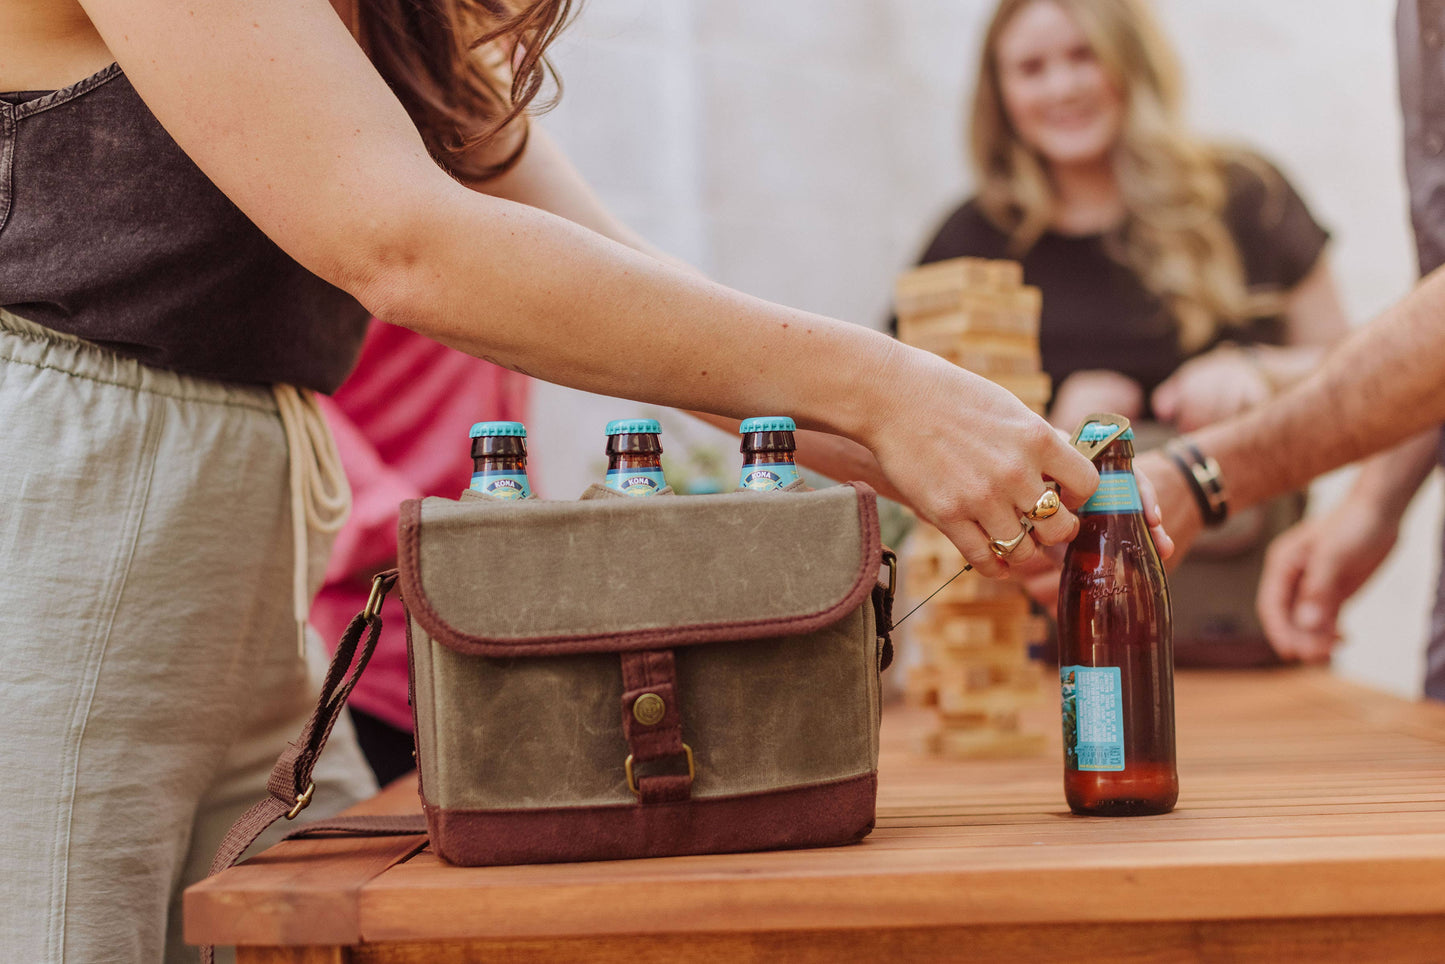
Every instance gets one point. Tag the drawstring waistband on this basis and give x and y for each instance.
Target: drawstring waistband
(320, 496)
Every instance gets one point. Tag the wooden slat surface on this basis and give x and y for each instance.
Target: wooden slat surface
(1303, 798)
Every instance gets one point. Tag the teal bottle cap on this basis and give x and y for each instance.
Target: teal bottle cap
(1098, 431)
(490, 429)
(767, 423)
(633, 426)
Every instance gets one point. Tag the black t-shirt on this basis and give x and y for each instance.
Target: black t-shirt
(1097, 313)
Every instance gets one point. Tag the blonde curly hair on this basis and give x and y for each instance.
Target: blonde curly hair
(1172, 184)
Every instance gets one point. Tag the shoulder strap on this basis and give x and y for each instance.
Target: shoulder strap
(290, 786)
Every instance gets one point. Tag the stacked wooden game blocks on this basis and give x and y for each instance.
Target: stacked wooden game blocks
(975, 634)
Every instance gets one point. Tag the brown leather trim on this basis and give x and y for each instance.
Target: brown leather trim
(819, 815)
(419, 607)
(654, 673)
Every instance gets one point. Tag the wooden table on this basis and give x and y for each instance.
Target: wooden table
(1310, 827)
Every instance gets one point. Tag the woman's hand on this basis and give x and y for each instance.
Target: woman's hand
(1040, 578)
(1087, 392)
(972, 459)
(1210, 388)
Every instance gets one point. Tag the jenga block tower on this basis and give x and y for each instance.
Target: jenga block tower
(975, 633)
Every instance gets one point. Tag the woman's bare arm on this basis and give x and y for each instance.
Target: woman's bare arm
(277, 104)
(546, 178)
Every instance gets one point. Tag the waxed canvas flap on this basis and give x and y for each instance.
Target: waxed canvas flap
(534, 578)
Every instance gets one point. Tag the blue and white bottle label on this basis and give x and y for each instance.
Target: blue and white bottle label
(1117, 494)
(636, 481)
(767, 476)
(1093, 706)
(502, 485)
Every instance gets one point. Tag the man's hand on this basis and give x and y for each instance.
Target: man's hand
(1177, 508)
(1311, 569)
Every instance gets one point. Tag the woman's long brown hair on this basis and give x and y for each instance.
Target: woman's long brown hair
(465, 70)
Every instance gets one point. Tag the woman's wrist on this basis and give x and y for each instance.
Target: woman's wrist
(861, 391)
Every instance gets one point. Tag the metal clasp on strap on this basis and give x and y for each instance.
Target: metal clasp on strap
(303, 800)
(380, 585)
(890, 559)
(632, 778)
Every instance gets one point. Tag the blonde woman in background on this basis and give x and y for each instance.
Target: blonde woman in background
(1182, 282)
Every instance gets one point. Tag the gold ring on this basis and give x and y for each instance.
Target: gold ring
(1047, 505)
(1001, 548)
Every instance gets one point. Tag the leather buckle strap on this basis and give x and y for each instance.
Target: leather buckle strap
(632, 777)
(883, 610)
(290, 787)
(652, 723)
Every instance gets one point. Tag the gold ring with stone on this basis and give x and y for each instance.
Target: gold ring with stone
(1047, 505)
(1002, 548)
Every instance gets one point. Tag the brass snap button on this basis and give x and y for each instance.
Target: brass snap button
(648, 709)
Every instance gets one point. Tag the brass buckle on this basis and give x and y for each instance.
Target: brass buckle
(1092, 448)
(632, 780)
(303, 801)
(890, 559)
(377, 597)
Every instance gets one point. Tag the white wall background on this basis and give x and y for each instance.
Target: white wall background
(803, 151)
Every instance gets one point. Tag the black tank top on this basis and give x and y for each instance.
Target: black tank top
(109, 232)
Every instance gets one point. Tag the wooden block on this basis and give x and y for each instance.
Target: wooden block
(985, 744)
(956, 273)
(967, 676)
(964, 316)
(1010, 604)
(988, 365)
(922, 686)
(1002, 699)
(966, 589)
(999, 659)
(1007, 722)
(956, 676)
(977, 638)
(1035, 389)
(997, 349)
(968, 631)
(927, 539)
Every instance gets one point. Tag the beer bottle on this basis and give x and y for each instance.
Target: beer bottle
(634, 456)
(768, 453)
(1116, 657)
(499, 460)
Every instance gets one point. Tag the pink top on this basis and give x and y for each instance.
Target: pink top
(401, 424)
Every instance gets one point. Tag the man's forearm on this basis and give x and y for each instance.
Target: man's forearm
(1382, 385)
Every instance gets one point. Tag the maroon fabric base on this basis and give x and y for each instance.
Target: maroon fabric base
(821, 815)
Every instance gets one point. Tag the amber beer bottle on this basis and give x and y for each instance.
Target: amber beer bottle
(1116, 657)
(768, 449)
(634, 456)
(499, 460)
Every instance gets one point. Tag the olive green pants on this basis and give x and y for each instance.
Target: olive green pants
(149, 672)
